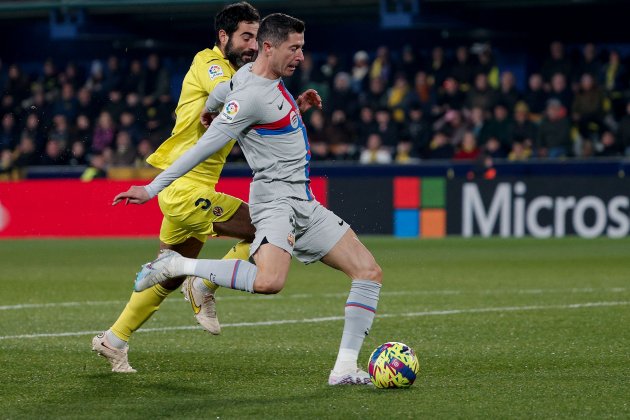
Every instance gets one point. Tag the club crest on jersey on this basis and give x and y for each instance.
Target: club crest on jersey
(215, 71)
(294, 119)
(230, 110)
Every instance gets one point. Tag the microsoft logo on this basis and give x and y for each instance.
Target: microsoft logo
(419, 207)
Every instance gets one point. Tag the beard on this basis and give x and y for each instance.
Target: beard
(238, 57)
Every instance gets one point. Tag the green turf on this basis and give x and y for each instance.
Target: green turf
(503, 329)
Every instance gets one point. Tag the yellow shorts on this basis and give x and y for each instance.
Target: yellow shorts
(190, 209)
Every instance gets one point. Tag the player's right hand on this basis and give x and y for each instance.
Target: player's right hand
(134, 195)
(207, 117)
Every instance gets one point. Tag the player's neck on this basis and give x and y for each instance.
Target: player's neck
(262, 68)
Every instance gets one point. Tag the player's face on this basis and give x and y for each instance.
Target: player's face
(288, 55)
(241, 47)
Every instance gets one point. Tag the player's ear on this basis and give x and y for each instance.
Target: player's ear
(223, 37)
(267, 46)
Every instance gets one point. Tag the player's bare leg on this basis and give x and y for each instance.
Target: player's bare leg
(353, 258)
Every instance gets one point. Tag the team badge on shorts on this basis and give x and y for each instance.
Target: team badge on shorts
(217, 211)
(291, 239)
(215, 71)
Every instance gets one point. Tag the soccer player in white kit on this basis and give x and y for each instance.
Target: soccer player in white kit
(265, 119)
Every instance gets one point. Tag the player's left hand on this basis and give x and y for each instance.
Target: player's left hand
(206, 117)
(134, 195)
(310, 98)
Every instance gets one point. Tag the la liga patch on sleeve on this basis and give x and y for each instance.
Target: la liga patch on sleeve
(230, 110)
(215, 71)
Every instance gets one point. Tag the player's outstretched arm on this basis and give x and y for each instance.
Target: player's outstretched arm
(210, 143)
(215, 100)
(310, 98)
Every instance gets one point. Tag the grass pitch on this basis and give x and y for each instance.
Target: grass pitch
(503, 329)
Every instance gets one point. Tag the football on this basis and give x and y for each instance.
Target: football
(393, 365)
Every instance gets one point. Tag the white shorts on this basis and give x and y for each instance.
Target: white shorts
(305, 229)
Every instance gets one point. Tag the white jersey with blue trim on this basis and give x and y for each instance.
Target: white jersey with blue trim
(263, 116)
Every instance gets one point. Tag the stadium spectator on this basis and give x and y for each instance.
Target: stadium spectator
(437, 69)
(145, 149)
(71, 75)
(440, 147)
(500, 126)
(83, 131)
(154, 82)
(453, 125)
(97, 168)
(588, 63)
(588, 107)
(463, 71)
(53, 154)
(387, 128)
(342, 97)
(449, 97)
(127, 122)
(95, 81)
(418, 130)
(487, 65)
(33, 129)
(17, 84)
(329, 69)
(104, 132)
(113, 77)
(60, 131)
(66, 104)
(554, 134)
(8, 132)
(523, 130)
(374, 151)
(520, 152)
(535, 97)
(125, 153)
(409, 65)
(468, 149)
(482, 95)
(382, 67)
(48, 79)
(615, 82)
(609, 146)
(508, 93)
(78, 154)
(422, 94)
(25, 153)
(396, 97)
(360, 71)
(341, 136)
(376, 96)
(318, 140)
(556, 63)
(560, 90)
(86, 105)
(132, 81)
(366, 125)
(115, 104)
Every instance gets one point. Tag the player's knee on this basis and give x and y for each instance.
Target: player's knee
(268, 284)
(372, 272)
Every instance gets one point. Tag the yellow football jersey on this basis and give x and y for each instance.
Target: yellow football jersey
(208, 69)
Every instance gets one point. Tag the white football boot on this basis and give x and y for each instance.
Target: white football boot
(203, 304)
(116, 357)
(350, 377)
(156, 271)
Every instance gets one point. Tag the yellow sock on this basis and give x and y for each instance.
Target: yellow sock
(240, 251)
(139, 309)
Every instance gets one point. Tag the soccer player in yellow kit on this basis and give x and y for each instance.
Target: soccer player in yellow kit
(192, 209)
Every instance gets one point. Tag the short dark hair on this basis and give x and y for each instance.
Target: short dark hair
(276, 28)
(231, 15)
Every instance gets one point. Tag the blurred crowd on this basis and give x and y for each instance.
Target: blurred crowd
(379, 107)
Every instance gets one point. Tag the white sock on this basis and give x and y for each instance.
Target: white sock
(114, 340)
(346, 360)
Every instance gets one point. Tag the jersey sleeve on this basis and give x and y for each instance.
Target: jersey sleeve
(210, 74)
(239, 113)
